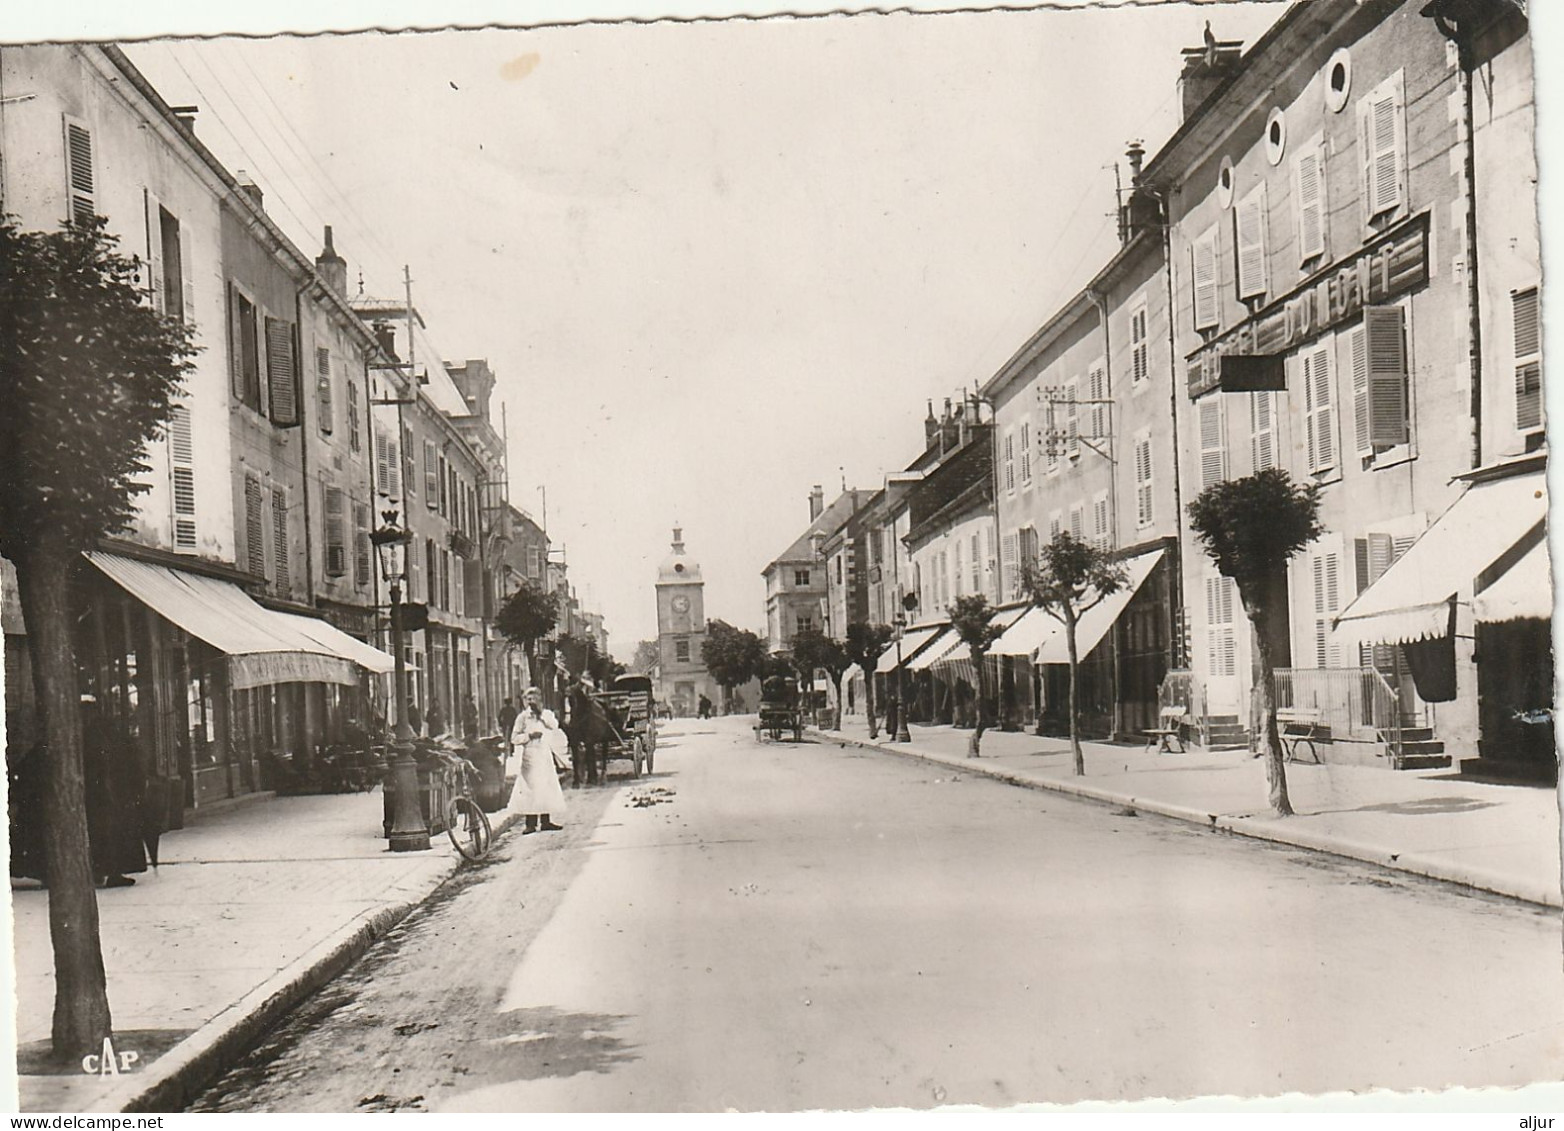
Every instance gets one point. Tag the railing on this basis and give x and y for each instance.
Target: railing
(1357, 704)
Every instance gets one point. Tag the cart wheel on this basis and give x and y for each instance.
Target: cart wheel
(637, 756)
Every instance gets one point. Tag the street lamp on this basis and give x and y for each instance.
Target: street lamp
(409, 831)
(909, 602)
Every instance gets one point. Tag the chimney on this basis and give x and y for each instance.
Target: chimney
(475, 381)
(930, 428)
(186, 115)
(385, 338)
(248, 186)
(1142, 211)
(332, 267)
(1205, 68)
(816, 502)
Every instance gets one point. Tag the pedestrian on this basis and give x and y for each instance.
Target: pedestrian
(415, 719)
(892, 714)
(436, 718)
(114, 789)
(705, 707)
(470, 719)
(537, 796)
(507, 717)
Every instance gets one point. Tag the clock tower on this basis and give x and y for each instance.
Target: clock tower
(681, 630)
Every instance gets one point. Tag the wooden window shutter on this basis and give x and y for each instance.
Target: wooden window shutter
(1525, 309)
(187, 273)
(1262, 425)
(1100, 522)
(363, 555)
(336, 536)
(393, 465)
(1249, 230)
(254, 527)
(181, 450)
(323, 390)
(1026, 452)
(236, 344)
(1357, 346)
(1385, 339)
(1319, 408)
(355, 438)
(1309, 185)
(1327, 602)
(80, 181)
(1078, 522)
(1205, 281)
(1143, 485)
(1380, 132)
(1072, 392)
(431, 475)
(382, 462)
(409, 463)
(1140, 366)
(282, 383)
(1213, 452)
(281, 546)
(154, 226)
(1097, 384)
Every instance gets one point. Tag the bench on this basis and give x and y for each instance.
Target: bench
(1299, 727)
(1165, 735)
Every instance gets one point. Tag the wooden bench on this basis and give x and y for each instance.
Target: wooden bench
(1164, 736)
(1300, 725)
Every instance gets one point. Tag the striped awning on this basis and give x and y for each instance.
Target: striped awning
(912, 639)
(1097, 620)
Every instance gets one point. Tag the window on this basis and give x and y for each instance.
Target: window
(1055, 524)
(355, 439)
(431, 475)
(280, 544)
(244, 349)
(801, 577)
(959, 572)
(1528, 360)
(1072, 418)
(181, 458)
(1381, 147)
(1379, 379)
(1010, 560)
(281, 379)
(254, 527)
(1309, 189)
(1100, 534)
(534, 557)
(839, 558)
(456, 569)
(1052, 442)
(1026, 453)
(1262, 429)
(80, 184)
(1078, 522)
(336, 533)
(1213, 449)
(1249, 242)
(1144, 498)
(681, 648)
(1097, 390)
(323, 390)
(1205, 281)
(977, 566)
(803, 623)
(1319, 406)
(363, 555)
(445, 579)
(432, 570)
(1221, 644)
(1326, 568)
(1140, 345)
(409, 468)
(167, 255)
(1027, 544)
(1010, 461)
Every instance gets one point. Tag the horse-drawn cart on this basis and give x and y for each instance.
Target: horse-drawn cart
(626, 726)
(779, 710)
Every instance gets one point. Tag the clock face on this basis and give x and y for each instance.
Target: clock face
(681, 604)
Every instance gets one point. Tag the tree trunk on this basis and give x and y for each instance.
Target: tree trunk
(81, 1003)
(868, 703)
(1275, 767)
(976, 740)
(1075, 714)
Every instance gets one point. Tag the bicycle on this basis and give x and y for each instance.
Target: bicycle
(465, 821)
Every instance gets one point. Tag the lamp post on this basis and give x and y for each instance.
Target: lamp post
(409, 832)
(909, 602)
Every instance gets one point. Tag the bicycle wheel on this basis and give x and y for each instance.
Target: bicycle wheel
(468, 827)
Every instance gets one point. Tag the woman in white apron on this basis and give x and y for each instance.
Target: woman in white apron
(538, 736)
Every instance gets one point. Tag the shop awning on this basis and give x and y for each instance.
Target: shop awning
(264, 647)
(953, 649)
(1525, 590)
(942, 644)
(911, 640)
(339, 643)
(1027, 634)
(1096, 621)
(1411, 600)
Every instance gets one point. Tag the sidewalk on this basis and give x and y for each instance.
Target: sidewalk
(1496, 838)
(251, 910)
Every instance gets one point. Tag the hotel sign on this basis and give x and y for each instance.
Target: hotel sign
(1393, 264)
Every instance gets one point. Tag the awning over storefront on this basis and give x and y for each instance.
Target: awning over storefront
(1411, 601)
(1026, 635)
(1097, 620)
(1525, 590)
(911, 640)
(951, 649)
(263, 647)
(942, 644)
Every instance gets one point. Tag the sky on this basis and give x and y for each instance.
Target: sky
(713, 264)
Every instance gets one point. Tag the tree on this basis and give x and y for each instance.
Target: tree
(866, 643)
(88, 377)
(1069, 578)
(525, 617)
(972, 618)
(1252, 527)
(646, 657)
(813, 650)
(732, 656)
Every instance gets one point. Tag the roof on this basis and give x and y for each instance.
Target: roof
(802, 548)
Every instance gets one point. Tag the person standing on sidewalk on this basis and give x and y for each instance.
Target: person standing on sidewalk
(507, 717)
(436, 718)
(537, 793)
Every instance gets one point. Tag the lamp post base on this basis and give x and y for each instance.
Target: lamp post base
(902, 734)
(409, 833)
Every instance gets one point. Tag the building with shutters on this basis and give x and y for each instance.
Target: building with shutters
(1353, 306)
(797, 592)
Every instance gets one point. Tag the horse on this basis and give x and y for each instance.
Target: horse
(590, 731)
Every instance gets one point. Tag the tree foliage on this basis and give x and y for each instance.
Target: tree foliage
(1069, 578)
(813, 650)
(733, 656)
(972, 618)
(1252, 527)
(89, 373)
(646, 657)
(527, 616)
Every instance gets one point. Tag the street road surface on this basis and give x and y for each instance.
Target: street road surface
(780, 927)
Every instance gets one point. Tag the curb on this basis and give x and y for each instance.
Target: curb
(1412, 863)
(174, 1078)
